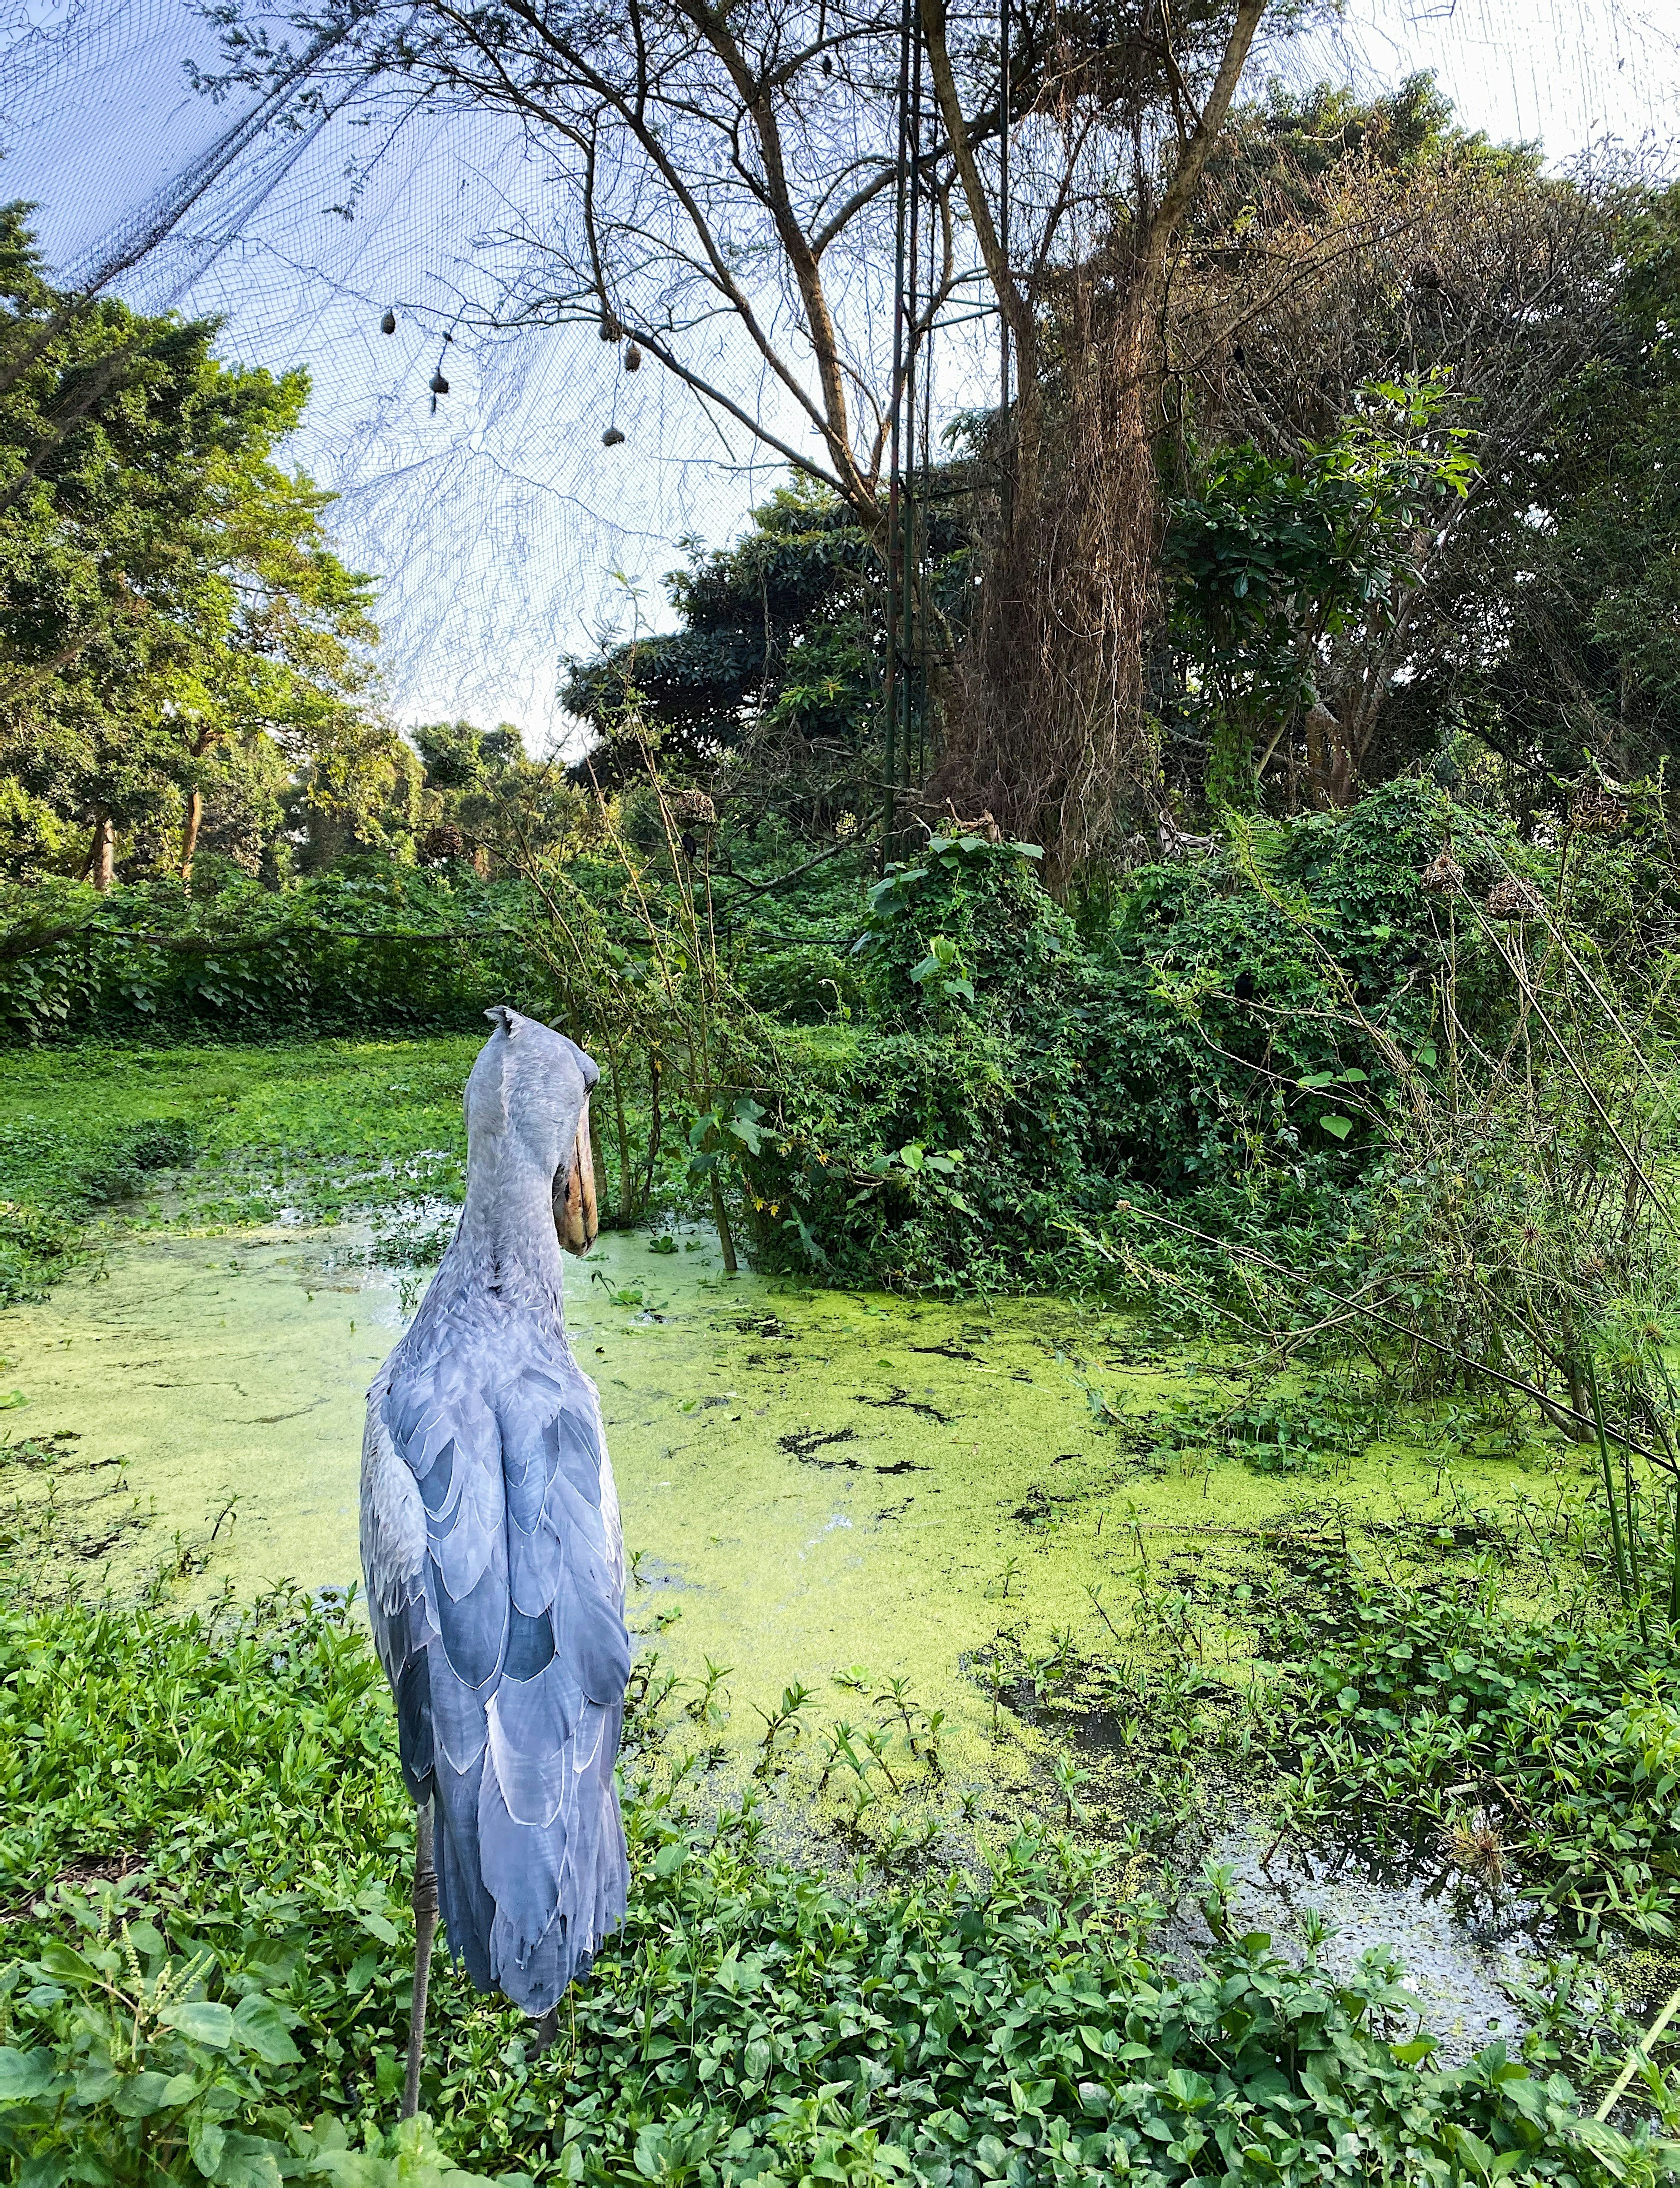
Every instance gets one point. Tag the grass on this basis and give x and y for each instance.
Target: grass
(215, 1135)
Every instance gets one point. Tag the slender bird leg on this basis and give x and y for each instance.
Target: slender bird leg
(425, 1929)
(547, 2033)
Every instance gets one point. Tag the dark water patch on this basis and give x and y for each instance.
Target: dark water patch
(900, 1399)
(803, 1444)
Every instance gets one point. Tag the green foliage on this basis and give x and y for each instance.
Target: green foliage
(38, 1245)
(484, 803)
(389, 948)
(775, 623)
(140, 2071)
(751, 2022)
(324, 1127)
(1272, 560)
(1592, 663)
(1418, 1710)
(776, 660)
(1205, 1046)
(1298, 138)
(166, 590)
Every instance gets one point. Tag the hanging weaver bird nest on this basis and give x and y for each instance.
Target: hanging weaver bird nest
(611, 330)
(632, 358)
(1512, 899)
(1598, 811)
(1443, 874)
(612, 438)
(387, 325)
(694, 808)
(442, 843)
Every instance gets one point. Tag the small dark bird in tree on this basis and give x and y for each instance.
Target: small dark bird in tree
(690, 849)
(1244, 985)
(387, 325)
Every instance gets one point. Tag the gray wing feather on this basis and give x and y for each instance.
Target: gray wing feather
(393, 1569)
(511, 1598)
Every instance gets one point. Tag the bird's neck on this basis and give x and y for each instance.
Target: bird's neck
(507, 1239)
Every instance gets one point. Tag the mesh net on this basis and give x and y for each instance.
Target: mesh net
(505, 533)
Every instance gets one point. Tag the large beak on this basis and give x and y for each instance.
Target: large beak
(576, 1217)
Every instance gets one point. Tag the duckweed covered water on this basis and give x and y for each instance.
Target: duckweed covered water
(814, 1480)
(820, 1490)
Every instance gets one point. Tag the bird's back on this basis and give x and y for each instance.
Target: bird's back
(494, 1566)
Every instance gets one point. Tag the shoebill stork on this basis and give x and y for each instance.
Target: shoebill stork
(494, 1559)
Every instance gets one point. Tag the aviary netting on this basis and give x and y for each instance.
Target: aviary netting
(809, 235)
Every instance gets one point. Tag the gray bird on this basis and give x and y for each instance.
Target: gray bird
(493, 1558)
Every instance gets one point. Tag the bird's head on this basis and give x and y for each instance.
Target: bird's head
(533, 1085)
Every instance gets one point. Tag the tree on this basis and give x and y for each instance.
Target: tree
(1274, 563)
(729, 194)
(775, 670)
(166, 588)
(1589, 662)
(1341, 243)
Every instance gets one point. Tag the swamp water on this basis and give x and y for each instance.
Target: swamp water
(818, 1487)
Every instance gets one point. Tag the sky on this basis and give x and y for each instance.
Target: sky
(504, 533)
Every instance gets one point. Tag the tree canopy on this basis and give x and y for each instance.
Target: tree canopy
(170, 607)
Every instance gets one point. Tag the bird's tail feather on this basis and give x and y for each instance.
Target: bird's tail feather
(559, 1887)
(467, 1909)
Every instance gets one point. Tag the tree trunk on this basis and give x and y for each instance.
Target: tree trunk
(1057, 743)
(102, 854)
(190, 831)
(720, 1217)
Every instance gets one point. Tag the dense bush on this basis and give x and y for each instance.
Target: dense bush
(339, 952)
(1222, 1036)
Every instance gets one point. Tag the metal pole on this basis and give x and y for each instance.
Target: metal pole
(913, 373)
(890, 679)
(1005, 496)
(924, 558)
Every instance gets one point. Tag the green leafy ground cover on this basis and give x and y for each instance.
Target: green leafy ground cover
(227, 2004)
(1423, 1710)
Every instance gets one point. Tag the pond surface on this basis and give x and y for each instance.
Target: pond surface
(818, 1487)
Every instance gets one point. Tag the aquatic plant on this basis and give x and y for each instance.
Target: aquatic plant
(202, 1911)
(1426, 1719)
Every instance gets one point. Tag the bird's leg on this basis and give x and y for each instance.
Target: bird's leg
(425, 1929)
(546, 2033)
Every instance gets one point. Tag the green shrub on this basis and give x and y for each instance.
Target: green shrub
(1214, 1043)
(340, 951)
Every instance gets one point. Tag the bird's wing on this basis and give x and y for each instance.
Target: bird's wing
(552, 1843)
(521, 1570)
(446, 1481)
(393, 1571)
